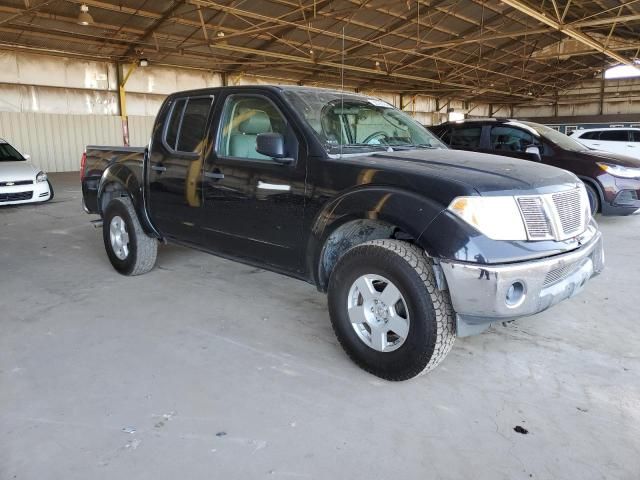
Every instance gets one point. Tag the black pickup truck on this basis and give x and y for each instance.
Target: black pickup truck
(414, 243)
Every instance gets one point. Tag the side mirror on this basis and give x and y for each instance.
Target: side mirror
(27, 157)
(272, 145)
(535, 151)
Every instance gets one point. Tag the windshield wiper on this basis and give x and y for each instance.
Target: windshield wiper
(423, 145)
(359, 145)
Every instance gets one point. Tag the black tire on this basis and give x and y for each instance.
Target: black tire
(594, 198)
(142, 249)
(431, 330)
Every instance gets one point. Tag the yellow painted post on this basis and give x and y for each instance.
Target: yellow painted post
(123, 101)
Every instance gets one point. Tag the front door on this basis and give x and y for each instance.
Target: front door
(513, 142)
(175, 167)
(253, 205)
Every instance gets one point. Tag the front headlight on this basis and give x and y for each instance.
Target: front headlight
(498, 218)
(620, 171)
(41, 177)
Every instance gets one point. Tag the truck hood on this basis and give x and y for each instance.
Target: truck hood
(484, 173)
(12, 171)
(610, 157)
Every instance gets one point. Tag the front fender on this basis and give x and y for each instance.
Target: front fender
(451, 238)
(405, 210)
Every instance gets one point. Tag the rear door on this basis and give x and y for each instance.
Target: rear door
(175, 167)
(634, 144)
(589, 139)
(253, 205)
(464, 137)
(614, 140)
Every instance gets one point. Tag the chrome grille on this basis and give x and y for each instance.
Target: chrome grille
(535, 218)
(559, 274)
(570, 211)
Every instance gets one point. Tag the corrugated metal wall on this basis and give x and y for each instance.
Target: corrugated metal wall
(139, 130)
(56, 141)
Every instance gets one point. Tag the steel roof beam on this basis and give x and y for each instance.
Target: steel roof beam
(567, 30)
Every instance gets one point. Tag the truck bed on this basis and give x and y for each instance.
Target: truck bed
(98, 159)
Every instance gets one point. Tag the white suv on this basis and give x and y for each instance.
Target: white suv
(625, 141)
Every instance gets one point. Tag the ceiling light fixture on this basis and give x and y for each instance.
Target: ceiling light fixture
(84, 18)
(144, 62)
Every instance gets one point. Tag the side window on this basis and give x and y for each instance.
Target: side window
(590, 135)
(468, 137)
(509, 139)
(243, 119)
(445, 135)
(171, 134)
(615, 135)
(635, 135)
(194, 123)
(186, 128)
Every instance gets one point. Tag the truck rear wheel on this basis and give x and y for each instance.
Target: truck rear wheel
(387, 311)
(130, 250)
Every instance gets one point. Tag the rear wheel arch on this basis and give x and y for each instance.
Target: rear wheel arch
(113, 186)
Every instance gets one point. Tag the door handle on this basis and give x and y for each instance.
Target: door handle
(215, 175)
(158, 168)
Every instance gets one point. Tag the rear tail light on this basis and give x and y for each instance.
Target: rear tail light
(83, 163)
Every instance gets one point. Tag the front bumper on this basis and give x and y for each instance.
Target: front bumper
(18, 194)
(483, 294)
(622, 196)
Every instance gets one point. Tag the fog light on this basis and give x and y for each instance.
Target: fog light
(515, 294)
(626, 197)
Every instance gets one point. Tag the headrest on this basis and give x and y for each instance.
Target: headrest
(258, 122)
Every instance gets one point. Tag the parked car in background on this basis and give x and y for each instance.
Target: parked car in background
(625, 141)
(612, 180)
(414, 243)
(20, 180)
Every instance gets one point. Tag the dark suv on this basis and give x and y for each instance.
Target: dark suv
(612, 180)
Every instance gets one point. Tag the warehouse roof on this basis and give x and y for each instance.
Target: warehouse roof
(475, 49)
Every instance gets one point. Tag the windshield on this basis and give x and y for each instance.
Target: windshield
(9, 154)
(554, 136)
(357, 124)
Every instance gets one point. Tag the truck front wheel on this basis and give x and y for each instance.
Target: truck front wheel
(387, 311)
(130, 250)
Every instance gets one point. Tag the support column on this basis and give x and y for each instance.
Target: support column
(122, 96)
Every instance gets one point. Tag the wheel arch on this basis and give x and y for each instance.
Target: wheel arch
(119, 181)
(593, 183)
(363, 215)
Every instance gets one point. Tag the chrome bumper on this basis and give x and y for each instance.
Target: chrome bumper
(483, 294)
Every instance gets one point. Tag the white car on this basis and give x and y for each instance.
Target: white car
(625, 141)
(20, 180)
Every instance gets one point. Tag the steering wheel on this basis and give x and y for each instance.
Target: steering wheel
(383, 137)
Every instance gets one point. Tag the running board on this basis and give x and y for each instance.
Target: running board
(96, 223)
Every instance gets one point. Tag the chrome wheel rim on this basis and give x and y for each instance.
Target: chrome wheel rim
(378, 313)
(119, 237)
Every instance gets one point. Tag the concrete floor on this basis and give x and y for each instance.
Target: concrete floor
(205, 368)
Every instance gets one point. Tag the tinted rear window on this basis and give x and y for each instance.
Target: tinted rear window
(468, 137)
(174, 124)
(614, 135)
(194, 122)
(590, 135)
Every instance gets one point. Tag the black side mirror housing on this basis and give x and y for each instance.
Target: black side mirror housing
(270, 144)
(535, 151)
